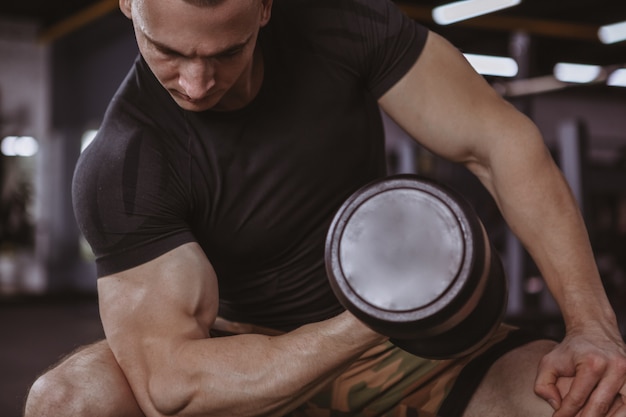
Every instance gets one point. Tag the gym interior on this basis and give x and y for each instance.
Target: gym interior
(62, 61)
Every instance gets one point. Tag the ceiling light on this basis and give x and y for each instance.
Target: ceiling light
(612, 33)
(617, 78)
(529, 86)
(466, 9)
(493, 65)
(19, 146)
(577, 73)
(88, 137)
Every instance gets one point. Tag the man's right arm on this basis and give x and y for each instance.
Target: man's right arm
(157, 317)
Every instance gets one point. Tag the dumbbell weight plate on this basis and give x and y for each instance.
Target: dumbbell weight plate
(410, 258)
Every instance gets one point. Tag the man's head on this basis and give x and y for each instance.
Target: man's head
(201, 51)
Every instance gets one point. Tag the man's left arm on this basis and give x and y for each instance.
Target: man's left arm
(452, 111)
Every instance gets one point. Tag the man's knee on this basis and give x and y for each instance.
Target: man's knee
(87, 383)
(56, 393)
(508, 387)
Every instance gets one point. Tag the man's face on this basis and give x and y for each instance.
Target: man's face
(203, 56)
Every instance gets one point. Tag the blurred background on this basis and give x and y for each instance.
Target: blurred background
(61, 62)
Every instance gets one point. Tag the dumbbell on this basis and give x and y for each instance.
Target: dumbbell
(410, 258)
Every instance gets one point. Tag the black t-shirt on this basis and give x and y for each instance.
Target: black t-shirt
(257, 188)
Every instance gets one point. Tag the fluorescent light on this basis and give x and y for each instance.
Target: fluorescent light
(88, 137)
(577, 73)
(528, 86)
(493, 65)
(19, 146)
(617, 78)
(8, 146)
(466, 9)
(612, 33)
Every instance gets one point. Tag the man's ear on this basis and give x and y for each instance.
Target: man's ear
(126, 7)
(266, 12)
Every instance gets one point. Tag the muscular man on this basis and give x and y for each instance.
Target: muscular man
(207, 194)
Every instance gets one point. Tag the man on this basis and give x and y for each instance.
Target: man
(240, 130)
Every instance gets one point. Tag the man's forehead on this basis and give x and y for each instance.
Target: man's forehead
(200, 3)
(192, 32)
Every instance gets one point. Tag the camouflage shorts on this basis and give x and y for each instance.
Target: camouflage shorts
(389, 382)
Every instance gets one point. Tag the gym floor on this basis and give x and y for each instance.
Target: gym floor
(34, 333)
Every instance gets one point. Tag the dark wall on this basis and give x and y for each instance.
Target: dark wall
(87, 67)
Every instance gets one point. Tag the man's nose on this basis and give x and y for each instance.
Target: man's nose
(196, 78)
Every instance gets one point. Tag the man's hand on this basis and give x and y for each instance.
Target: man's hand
(585, 375)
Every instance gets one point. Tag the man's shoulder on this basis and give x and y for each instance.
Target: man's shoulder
(139, 110)
(139, 100)
(328, 12)
(350, 26)
(137, 116)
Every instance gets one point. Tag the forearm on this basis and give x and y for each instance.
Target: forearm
(251, 375)
(541, 210)
(559, 245)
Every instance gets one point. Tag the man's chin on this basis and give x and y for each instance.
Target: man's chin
(194, 106)
(214, 102)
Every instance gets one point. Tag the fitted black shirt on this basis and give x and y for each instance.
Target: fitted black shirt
(257, 188)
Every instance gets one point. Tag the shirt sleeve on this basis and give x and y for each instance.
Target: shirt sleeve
(128, 202)
(373, 39)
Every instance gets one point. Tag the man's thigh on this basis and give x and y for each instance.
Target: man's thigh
(388, 382)
(87, 382)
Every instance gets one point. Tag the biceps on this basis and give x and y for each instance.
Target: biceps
(449, 108)
(148, 310)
